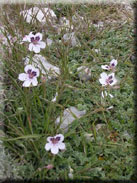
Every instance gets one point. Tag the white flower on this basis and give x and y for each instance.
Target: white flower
(55, 143)
(30, 76)
(111, 66)
(107, 79)
(35, 42)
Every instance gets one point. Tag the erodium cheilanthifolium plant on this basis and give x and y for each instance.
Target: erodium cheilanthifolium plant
(68, 82)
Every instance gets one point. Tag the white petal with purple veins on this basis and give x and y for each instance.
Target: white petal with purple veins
(113, 62)
(28, 67)
(105, 67)
(61, 137)
(39, 35)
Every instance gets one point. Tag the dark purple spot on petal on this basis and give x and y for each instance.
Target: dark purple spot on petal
(113, 65)
(110, 77)
(55, 140)
(31, 73)
(34, 73)
(37, 38)
(111, 81)
(32, 39)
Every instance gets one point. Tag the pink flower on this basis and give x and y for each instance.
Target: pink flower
(55, 143)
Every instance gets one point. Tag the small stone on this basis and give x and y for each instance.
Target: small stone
(84, 73)
(71, 39)
(69, 115)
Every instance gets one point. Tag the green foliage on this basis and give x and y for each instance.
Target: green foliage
(30, 115)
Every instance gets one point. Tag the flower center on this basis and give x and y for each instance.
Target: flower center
(35, 40)
(55, 140)
(31, 73)
(109, 80)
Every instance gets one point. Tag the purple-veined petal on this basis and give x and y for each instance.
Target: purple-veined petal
(61, 137)
(39, 35)
(113, 63)
(28, 67)
(105, 67)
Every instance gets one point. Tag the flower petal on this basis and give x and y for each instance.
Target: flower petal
(111, 95)
(28, 67)
(22, 77)
(102, 81)
(105, 67)
(61, 146)
(48, 146)
(113, 62)
(27, 83)
(102, 94)
(39, 35)
(61, 137)
(114, 82)
(34, 81)
(54, 149)
(103, 75)
(42, 44)
(48, 139)
(26, 38)
(31, 45)
(36, 48)
(30, 36)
